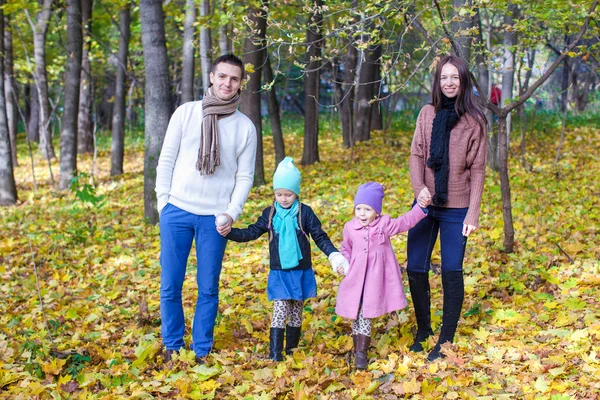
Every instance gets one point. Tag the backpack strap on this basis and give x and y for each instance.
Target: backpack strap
(300, 220)
(270, 224)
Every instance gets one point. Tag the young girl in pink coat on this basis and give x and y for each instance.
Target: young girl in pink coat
(372, 285)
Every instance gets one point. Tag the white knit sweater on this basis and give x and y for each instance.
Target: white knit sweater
(179, 182)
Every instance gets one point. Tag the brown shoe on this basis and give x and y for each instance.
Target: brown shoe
(361, 360)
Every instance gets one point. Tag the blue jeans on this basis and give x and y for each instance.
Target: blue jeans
(421, 239)
(177, 230)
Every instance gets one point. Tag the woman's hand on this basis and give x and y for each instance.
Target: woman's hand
(467, 229)
(424, 198)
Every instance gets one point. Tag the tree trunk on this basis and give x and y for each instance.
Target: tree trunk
(523, 110)
(485, 84)
(314, 42)
(459, 25)
(508, 67)
(118, 121)
(10, 90)
(41, 79)
(205, 45)
(224, 46)
(8, 188)
(509, 232)
(157, 105)
(187, 79)
(376, 117)
(348, 90)
(68, 136)
(85, 134)
(564, 86)
(364, 91)
(33, 113)
(273, 107)
(250, 102)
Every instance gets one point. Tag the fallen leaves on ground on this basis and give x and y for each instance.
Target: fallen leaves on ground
(530, 327)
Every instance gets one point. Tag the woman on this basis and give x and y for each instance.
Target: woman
(447, 165)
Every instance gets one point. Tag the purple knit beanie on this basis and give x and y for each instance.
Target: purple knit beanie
(371, 194)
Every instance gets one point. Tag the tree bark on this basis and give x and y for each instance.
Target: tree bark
(273, 107)
(250, 102)
(364, 92)
(118, 121)
(314, 42)
(10, 90)
(33, 113)
(348, 90)
(460, 24)
(68, 136)
(157, 107)
(508, 67)
(41, 78)
(376, 117)
(187, 79)
(85, 134)
(523, 111)
(205, 45)
(509, 231)
(224, 46)
(8, 188)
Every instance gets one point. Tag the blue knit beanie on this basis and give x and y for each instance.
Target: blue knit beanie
(287, 176)
(371, 194)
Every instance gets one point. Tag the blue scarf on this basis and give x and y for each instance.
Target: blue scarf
(285, 223)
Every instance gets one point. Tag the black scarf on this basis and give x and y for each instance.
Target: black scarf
(439, 159)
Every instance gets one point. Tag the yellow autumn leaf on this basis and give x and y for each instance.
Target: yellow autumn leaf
(541, 384)
(412, 386)
(54, 366)
(248, 326)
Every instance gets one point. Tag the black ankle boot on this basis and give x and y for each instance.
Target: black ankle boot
(454, 294)
(292, 338)
(419, 291)
(276, 344)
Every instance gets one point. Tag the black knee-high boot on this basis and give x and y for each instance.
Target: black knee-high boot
(292, 338)
(276, 344)
(419, 291)
(454, 294)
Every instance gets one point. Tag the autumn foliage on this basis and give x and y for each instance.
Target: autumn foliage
(80, 316)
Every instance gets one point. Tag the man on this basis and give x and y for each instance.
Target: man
(206, 168)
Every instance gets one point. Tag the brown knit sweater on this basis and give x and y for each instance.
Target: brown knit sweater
(468, 153)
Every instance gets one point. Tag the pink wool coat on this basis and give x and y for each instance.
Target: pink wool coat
(374, 271)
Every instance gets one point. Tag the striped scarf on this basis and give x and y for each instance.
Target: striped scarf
(213, 109)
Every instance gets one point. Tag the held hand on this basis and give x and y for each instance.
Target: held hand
(226, 227)
(339, 264)
(467, 229)
(424, 198)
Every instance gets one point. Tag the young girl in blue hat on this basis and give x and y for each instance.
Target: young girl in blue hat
(291, 278)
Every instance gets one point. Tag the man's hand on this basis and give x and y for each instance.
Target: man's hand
(424, 198)
(225, 228)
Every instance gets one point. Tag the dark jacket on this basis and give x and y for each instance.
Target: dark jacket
(309, 224)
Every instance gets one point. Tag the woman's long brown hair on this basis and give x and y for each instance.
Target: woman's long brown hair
(465, 101)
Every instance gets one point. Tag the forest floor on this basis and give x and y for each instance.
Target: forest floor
(530, 327)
